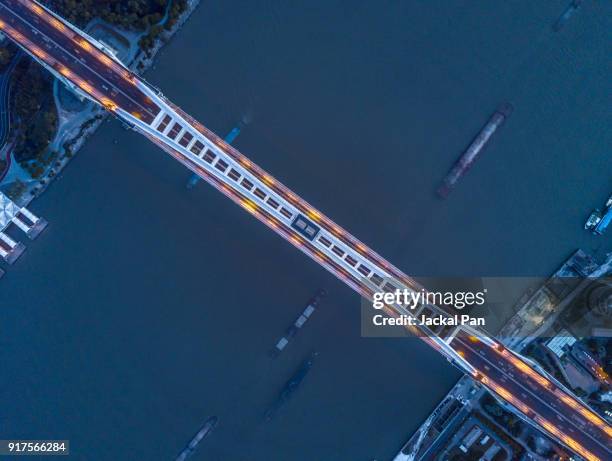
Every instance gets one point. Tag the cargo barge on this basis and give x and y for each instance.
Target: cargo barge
(475, 148)
(567, 14)
(291, 386)
(205, 430)
(298, 324)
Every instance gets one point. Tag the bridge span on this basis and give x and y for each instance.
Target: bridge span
(88, 68)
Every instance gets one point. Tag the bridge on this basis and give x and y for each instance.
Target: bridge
(91, 70)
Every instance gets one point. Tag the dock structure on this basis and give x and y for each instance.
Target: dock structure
(24, 219)
(29, 223)
(10, 250)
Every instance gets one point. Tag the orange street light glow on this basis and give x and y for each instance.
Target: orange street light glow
(105, 59)
(297, 240)
(84, 44)
(85, 86)
(36, 8)
(269, 180)
(250, 206)
(57, 24)
(314, 214)
(526, 369)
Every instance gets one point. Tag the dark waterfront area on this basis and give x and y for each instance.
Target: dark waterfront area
(145, 308)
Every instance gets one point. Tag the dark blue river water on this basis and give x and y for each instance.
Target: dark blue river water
(145, 308)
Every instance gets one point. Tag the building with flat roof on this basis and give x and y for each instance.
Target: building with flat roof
(561, 342)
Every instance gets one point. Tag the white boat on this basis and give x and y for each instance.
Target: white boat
(593, 220)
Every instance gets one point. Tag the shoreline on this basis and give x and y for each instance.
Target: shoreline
(93, 116)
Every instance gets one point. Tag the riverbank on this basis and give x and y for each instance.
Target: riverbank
(75, 127)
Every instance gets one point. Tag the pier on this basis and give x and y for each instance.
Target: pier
(24, 219)
(29, 223)
(10, 250)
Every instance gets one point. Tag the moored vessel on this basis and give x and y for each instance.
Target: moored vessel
(468, 158)
(204, 431)
(567, 14)
(291, 385)
(297, 325)
(599, 221)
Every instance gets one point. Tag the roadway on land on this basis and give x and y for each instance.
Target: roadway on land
(74, 57)
(544, 402)
(5, 115)
(5, 112)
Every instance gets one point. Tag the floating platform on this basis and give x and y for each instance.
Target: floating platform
(10, 250)
(30, 224)
(23, 218)
(37, 228)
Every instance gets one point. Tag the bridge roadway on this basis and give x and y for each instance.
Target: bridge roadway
(83, 64)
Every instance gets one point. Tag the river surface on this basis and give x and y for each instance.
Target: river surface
(145, 308)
